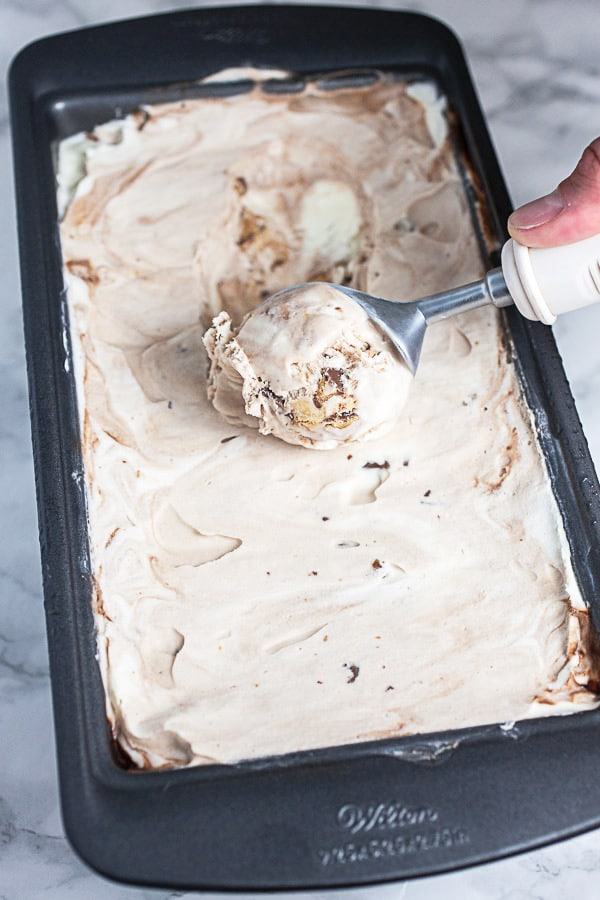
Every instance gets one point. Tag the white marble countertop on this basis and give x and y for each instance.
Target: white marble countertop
(536, 64)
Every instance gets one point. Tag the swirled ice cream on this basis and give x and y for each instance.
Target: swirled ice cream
(308, 367)
(252, 598)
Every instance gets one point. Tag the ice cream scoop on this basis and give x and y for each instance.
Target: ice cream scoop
(542, 283)
(309, 367)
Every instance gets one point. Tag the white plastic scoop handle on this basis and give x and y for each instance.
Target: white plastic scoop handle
(546, 283)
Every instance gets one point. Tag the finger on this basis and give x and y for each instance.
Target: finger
(570, 213)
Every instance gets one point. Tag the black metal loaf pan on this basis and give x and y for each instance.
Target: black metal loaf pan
(342, 816)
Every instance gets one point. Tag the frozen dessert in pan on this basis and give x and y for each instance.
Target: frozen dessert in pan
(251, 597)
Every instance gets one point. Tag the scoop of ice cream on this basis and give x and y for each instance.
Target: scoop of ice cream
(308, 367)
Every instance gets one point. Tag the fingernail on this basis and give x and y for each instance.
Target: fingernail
(538, 212)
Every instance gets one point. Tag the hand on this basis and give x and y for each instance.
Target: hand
(570, 213)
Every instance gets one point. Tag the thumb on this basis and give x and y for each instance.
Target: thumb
(570, 213)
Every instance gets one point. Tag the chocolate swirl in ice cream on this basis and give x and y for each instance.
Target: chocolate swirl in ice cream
(292, 207)
(253, 598)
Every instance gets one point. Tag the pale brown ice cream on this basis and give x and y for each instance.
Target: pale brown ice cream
(253, 598)
(308, 367)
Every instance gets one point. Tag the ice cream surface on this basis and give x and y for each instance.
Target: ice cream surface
(314, 370)
(252, 598)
